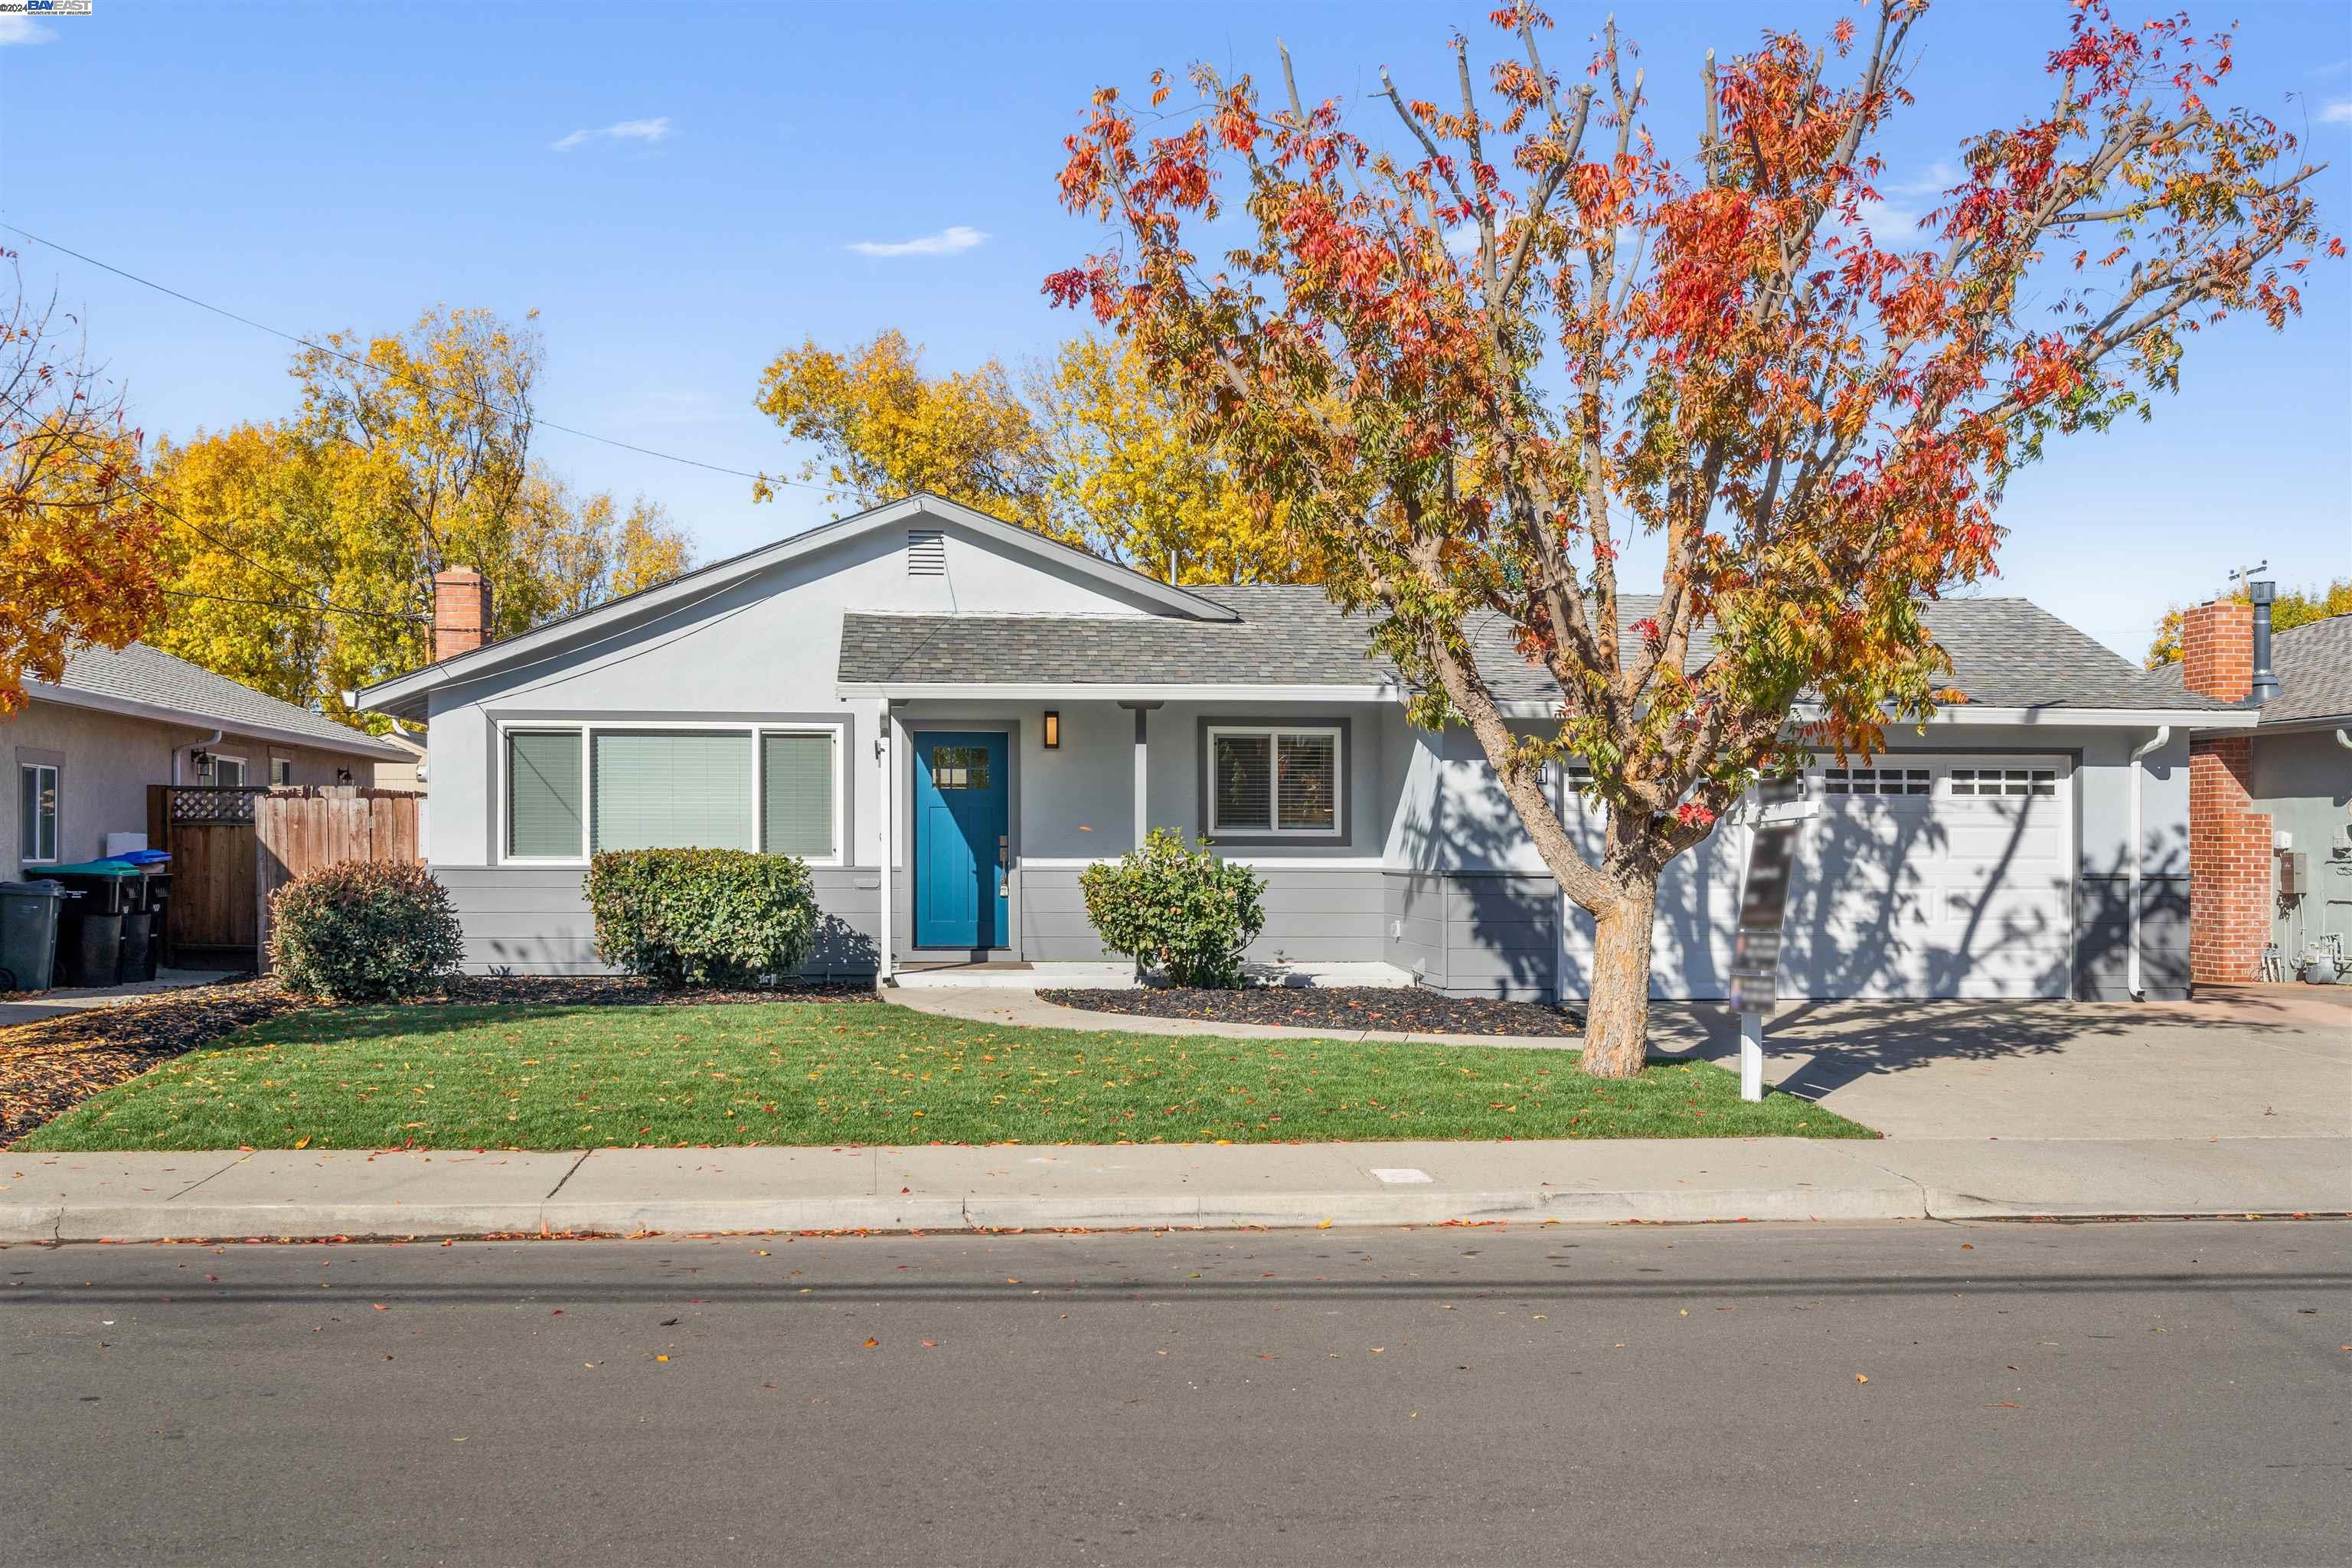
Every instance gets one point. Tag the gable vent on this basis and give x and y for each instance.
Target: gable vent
(927, 553)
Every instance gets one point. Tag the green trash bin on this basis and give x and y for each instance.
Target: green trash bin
(29, 912)
(107, 887)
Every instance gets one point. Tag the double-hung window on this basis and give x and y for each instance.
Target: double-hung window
(1276, 780)
(571, 790)
(36, 813)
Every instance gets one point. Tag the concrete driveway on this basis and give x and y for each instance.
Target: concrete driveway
(2268, 1061)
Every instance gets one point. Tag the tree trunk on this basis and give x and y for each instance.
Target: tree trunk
(1617, 1016)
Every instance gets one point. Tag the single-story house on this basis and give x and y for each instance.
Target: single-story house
(84, 751)
(2270, 807)
(950, 717)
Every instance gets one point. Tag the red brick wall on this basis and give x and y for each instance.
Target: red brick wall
(2217, 649)
(2230, 868)
(461, 611)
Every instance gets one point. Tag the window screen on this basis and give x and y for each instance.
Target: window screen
(543, 802)
(1306, 776)
(796, 795)
(1243, 783)
(36, 811)
(672, 789)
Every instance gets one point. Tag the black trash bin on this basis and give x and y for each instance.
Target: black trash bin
(93, 958)
(107, 887)
(136, 960)
(29, 917)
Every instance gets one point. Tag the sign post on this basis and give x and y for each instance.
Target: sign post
(1776, 816)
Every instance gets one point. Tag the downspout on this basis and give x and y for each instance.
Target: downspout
(2131, 959)
(2344, 739)
(211, 739)
(889, 747)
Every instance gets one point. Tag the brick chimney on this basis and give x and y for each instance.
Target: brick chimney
(461, 611)
(2230, 859)
(2217, 649)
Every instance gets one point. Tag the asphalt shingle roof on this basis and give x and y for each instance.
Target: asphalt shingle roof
(142, 674)
(2314, 664)
(2006, 653)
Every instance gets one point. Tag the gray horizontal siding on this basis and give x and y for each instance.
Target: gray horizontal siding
(1474, 933)
(1315, 917)
(534, 920)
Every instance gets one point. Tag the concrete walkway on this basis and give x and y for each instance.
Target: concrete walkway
(39, 1005)
(314, 1194)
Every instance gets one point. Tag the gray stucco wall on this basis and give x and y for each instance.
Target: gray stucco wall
(535, 921)
(2305, 781)
(105, 763)
(1474, 933)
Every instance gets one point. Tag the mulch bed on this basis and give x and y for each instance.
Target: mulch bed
(1417, 1010)
(51, 1065)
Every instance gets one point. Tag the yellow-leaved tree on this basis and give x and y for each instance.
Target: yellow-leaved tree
(2295, 607)
(1093, 455)
(1129, 478)
(77, 534)
(305, 564)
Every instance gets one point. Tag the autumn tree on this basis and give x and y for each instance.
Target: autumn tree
(1129, 478)
(2295, 607)
(883, 428)
(78, 533)
(1482, 348)
(305, 562)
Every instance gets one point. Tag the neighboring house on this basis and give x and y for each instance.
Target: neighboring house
(410, 773)
(986, 712)
(2270, 808)
(83, 751)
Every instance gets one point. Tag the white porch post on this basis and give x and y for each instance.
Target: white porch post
(1143, 768)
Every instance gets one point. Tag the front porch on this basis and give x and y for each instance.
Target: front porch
(993, 804)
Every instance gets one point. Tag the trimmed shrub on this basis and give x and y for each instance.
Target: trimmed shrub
(1182, 911)
(702, 917)
(363, 931)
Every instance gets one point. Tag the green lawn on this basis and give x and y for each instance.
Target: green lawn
(564, 1077)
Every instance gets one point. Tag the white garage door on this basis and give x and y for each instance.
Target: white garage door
(1935, 876)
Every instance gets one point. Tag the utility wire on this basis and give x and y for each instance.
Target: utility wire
(356, 362)
(281, 604)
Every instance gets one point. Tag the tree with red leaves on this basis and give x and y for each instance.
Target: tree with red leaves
(1478, 358)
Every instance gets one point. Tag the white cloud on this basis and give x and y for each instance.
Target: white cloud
(2336, 113)
(654, 130)
(1902, 203)
(946, 242)
(19, 29)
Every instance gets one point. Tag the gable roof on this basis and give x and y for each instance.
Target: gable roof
(2006, 653)
(405, 694)
(2313, 666)
(147, 682)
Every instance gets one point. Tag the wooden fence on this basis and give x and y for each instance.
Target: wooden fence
(309, 827)
(232, 848)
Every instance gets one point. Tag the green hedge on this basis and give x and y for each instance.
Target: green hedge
(1183, 913)
(362, 930)
(702, 917)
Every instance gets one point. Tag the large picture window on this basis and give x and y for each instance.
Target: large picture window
(36, 813)
(1276, 780)
(571, 791)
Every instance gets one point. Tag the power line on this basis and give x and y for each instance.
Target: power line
(360, 364)
(280, 605)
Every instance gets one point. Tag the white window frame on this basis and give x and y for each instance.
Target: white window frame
(1274, 733)
(275, 763)
(756, 778)
(56, 812)
(243, 769)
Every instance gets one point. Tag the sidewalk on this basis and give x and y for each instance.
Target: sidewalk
(622, 1191)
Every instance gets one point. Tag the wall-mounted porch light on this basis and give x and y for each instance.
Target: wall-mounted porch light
(1053, 729)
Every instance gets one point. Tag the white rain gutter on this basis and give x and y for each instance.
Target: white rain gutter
(2131, 959)
(2344, 739)
(882, 969)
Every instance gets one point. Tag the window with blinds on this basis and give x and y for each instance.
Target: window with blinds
(732, 788)
(1274, 781)
(796, 795)
(543, 802)
(672, 789)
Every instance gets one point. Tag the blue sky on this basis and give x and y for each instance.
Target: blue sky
(682, 189)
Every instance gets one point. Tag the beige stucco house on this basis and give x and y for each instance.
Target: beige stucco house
(81, 754)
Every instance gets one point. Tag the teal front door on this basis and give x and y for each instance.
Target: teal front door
(962, 819)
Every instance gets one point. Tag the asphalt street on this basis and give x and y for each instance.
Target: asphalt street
(1910, 1393)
